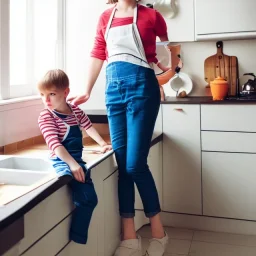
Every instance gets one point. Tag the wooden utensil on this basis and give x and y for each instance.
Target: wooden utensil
(224, 66)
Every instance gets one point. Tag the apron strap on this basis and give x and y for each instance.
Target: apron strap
(109, 23)
(135, 15)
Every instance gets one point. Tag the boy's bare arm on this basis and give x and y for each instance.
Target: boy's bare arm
(92, 132)
(75, 168)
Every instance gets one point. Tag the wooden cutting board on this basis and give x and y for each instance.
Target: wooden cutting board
(224, 66)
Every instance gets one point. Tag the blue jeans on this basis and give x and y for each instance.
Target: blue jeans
(133, 100)
(84, 198)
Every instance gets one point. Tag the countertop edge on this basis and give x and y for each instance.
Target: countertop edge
(60, 182)
(206, 100)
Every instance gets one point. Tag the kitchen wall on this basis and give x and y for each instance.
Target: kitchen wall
(82, 19)
(18, 121)
(194, 53)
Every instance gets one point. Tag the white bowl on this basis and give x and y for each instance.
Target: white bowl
(181, 82)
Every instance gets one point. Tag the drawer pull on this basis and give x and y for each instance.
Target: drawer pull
(179, 109)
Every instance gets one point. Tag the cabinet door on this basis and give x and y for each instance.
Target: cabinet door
(229, 182)
(215, 19)
(112, 224)
(155, 166)
(181, 159)
(105, 177)
(181, 28)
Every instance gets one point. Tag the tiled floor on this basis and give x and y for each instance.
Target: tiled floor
(185, 242)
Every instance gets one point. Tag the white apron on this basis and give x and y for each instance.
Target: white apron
(124, 42)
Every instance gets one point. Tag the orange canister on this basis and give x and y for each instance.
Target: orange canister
(219, 88)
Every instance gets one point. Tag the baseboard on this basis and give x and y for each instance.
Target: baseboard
(208, 223)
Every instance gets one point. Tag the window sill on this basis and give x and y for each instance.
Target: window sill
(20, 102)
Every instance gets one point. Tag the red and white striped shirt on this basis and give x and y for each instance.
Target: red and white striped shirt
(54, 128)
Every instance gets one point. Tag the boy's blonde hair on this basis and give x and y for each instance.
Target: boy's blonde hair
(56, 78)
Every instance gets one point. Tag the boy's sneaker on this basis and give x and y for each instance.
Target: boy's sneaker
(157, 247)
(130, 247)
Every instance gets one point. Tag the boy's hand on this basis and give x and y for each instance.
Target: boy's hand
(78, 172)
(106, 148)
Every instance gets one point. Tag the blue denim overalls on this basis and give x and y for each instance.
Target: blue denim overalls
(84, 195)
(132, 101)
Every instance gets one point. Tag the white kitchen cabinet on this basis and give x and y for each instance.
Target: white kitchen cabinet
(239, 142)
(90, 248)
(225, 19)
(52, 242)
(155, 166)
(47, 225)
(181, 28)
(235, 118)
(229, 182)
(112, 222)
(43, 217)
(181, 159)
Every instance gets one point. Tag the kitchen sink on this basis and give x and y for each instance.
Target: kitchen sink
(21, 177)
(25, 163)
(17, 183)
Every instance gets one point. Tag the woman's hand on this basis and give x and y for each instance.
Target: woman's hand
(106, 148)
(77, 172)
(162, 67)
(77, 100)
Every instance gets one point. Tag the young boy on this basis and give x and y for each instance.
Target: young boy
(60, 124)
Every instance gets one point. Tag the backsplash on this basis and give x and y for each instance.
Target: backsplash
(193, 55)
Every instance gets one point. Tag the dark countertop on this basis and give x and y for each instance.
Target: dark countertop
(206, 100)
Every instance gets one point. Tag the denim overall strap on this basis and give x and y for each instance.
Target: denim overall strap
(73, 143)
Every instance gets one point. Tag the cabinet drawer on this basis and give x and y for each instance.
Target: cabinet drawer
(229, 181)
(53, 242)
(37, 221)
(228, 117)
(229, 141)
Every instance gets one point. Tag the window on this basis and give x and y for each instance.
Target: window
(32, 36)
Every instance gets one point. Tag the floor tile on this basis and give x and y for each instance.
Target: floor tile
(144, 244)
(178, 246)
(173, 233)
(174, 254)
(179, 233)
(145, 231)
(212, 249)
(224, 238)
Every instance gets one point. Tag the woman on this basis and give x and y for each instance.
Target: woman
(126, 38)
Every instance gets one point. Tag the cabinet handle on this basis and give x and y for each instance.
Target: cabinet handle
(179, 109)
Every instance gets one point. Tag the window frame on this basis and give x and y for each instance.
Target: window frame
(7, 90)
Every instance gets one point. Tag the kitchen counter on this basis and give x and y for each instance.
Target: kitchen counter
(16, 209)
(206, 100)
